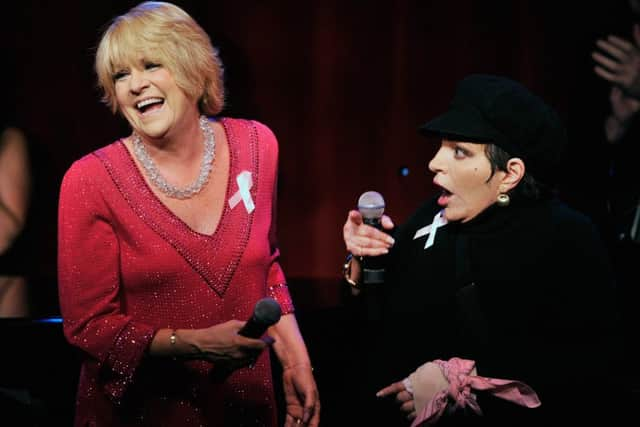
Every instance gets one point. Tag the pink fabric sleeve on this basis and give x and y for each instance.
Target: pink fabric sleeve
(276, 281)
(457, 372)
(88, 281)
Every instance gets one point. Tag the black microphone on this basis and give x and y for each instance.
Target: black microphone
(266, 313)
(371, 207)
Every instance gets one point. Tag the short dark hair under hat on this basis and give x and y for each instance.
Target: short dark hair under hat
(501, 111)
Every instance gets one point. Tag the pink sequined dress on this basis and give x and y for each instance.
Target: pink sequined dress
(128, 267)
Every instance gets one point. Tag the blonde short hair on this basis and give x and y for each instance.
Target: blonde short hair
(163, 33)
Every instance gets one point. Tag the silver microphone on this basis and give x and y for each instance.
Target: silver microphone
(371, 207)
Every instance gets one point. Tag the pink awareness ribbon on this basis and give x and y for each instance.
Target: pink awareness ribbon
(457, 372)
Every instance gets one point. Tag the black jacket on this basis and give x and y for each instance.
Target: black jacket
(525, 291)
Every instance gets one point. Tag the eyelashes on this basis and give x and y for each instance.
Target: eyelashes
(147, 65)
(119, 75)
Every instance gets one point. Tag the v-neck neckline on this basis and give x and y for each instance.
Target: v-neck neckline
(215, 257)
(232, 161)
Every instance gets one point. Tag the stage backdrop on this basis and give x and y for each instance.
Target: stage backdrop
(343, 84)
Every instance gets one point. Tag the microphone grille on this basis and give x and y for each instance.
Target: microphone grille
(267, 311)
(371, 204)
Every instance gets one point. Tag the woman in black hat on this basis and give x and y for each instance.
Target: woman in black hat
(498, 299)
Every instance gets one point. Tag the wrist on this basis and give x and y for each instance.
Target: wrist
(614, 128)
(183, 343)
(349, 270)
(298, 365)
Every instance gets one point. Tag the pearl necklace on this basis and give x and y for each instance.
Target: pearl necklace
(152, 172)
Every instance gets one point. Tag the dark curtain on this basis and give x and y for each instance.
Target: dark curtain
(343, 84)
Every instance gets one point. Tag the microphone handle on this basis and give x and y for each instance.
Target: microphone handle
(253, 328)
(373, 266)
(373, 222)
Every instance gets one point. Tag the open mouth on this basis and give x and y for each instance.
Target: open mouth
(150, 104)
(443, 200)
(445, 195)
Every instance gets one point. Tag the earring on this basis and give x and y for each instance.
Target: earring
(503, 200)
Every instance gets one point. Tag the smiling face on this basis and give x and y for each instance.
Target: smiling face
(161, 33)
(151, 101)
(463, 171)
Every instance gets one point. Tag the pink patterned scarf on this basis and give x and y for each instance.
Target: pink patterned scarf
(457, 372)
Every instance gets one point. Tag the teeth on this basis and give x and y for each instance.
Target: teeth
(146, 102)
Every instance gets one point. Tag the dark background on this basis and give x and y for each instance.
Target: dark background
(343, 84)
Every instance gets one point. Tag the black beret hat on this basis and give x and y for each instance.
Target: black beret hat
(498, 110)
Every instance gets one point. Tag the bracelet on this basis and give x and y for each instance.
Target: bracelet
(172, 338)
(346, 271)
(295, 365)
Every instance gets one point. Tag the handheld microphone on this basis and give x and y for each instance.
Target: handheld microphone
(371, 206)
(266, 313)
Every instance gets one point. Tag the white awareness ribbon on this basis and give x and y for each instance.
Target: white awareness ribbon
(244, 185)
(438, 221)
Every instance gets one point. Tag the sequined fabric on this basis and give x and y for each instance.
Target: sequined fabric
(128, 266)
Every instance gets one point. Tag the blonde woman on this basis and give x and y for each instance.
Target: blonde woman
(167, 241)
